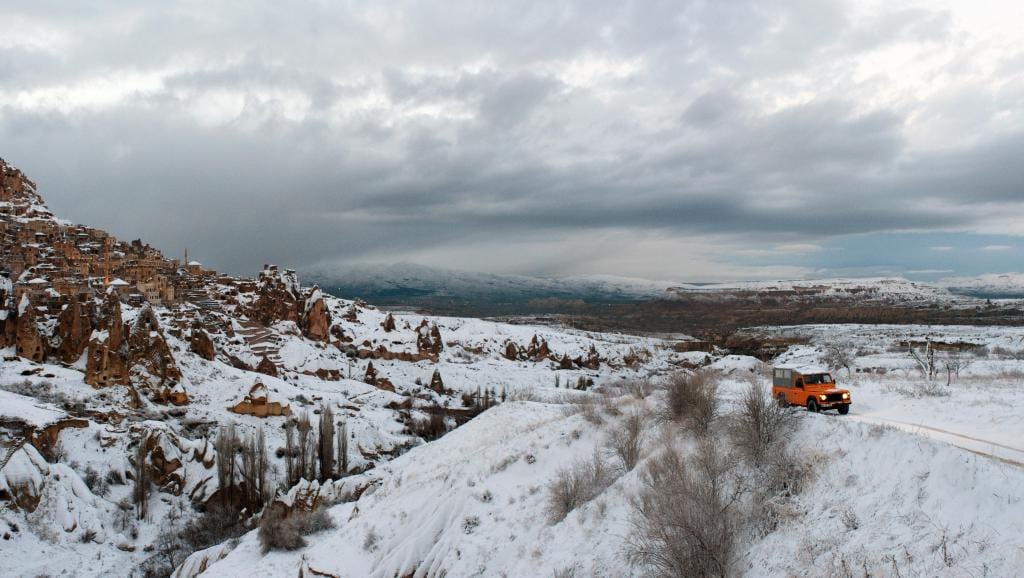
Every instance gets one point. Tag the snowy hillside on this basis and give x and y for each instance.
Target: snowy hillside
(885, 493)
(991, 286)
(885, 289)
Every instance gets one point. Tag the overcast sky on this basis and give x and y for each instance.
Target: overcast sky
(675, 140)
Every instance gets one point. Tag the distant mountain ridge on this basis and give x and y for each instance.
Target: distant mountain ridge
(990, 286)
(409, 282)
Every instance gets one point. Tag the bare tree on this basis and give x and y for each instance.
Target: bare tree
(140, 493)
(253, 472)
(227, 470)
(325, 443)
(925, 359)
(837, 356)
(954, 362)
(305, 443)
(343, 450)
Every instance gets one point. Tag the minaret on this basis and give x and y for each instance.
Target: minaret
(185, 263)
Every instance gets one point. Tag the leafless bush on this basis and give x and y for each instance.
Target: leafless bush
(685, 518)
(610, 405)
(626, 442)
(640, 388)
(760, 425)
(837, 356)
(432, 427)
(576, 485)
(283, 530)
(96, 483)
(692, 400)
(587, 406)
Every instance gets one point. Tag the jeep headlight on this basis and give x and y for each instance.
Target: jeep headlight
(822, 397)
(846, 396)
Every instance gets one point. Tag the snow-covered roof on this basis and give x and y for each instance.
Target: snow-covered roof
(194, 264)
(38, 281)
(803, 368)
(118, 283)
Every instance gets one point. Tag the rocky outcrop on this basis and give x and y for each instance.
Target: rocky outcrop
(267, 367)
(436, 383)
(74, 327)
(259, 402)
(142, 359)
(29, 341)
(107, 363)
(389, 323)
(538, 349)
(150, 362)
(316, 319)
(428, 340)
(277, 297)
(372, 377)
(202, 344)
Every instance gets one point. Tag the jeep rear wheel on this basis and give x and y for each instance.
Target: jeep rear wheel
(844, 409)
(782, 400)
(812, 405)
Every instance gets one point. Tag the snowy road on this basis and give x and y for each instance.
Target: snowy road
(1002, 452)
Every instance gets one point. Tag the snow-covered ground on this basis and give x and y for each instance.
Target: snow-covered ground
(881, 501)
(919, 480)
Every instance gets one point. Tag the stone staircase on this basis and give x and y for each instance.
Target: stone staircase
(262, 341)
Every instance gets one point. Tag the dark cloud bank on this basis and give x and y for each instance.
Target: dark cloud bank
(657, 139)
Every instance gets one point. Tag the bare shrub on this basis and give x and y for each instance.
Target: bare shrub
(640, 388)
(626, 442)
(685, 518)
(692, 399)
(760, 425)
(837, 356)
(432, 427)
(587, 406)
(283, 530)
(95, 482)
(576, 485)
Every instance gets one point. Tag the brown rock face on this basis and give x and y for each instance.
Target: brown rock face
(143, 359)
(150, 361)
(107, 363)
(267, 367)
(511, 352)
(316, 319)
(28, 340)
(375, 379)
(202, 345)
(428, 340)
(538, 349)
(436, 383)
(73, 330)
(277, 297)
(389, 323)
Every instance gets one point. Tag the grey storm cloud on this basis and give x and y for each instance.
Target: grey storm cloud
(304, 132)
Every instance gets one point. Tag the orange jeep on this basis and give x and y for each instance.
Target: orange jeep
(810, 388)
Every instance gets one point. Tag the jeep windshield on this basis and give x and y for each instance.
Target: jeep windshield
(817, 378)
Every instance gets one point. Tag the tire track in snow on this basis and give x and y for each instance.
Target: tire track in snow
(983, 447)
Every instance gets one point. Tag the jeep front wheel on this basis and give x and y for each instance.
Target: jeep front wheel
(844, 409)
(812, 405)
